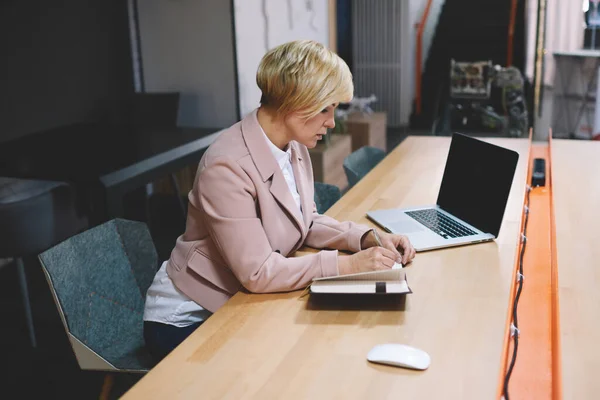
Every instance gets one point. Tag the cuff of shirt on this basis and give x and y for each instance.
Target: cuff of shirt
(356, 236)
(329, 263)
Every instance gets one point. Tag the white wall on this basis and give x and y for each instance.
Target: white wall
(430, 24)
(261, 25)
(564, 32)
(531, 16)
(187, 47)
(412, 12)
(413, 9)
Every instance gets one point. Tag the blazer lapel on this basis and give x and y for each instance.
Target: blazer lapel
(302, 184)
(268, 168)
(257, 147)
(281, 192)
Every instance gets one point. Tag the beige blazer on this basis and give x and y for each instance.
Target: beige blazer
(242, 223)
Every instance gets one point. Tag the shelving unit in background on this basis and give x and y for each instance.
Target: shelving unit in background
(575, 85)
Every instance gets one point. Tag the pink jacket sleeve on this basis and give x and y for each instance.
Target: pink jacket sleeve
(237, 231)
(329, 233)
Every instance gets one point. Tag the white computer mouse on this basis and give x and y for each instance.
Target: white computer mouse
(399, 355)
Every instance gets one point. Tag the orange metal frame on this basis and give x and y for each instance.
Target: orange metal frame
(556, 354)
(511, 32)
(536, 373)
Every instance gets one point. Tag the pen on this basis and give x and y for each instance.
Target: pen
(377, 239)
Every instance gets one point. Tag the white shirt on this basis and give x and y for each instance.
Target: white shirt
(284, 159)
(167, 304)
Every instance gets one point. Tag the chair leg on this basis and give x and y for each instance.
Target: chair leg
(26, 302)
(109, 380)
(176, 190)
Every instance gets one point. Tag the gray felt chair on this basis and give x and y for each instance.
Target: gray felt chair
(360, 162)
(99, 280)
(326, 195)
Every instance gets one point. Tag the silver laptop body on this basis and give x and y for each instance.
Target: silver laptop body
(471, 202)
(423, 237)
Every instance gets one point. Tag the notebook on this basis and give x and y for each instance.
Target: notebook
(390, 281)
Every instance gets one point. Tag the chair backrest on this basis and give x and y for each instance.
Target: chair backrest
(155, 109)
(36, 215)
(326, 195)
(360, 162)
(99, 280)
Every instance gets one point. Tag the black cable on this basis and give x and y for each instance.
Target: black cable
(516, 303)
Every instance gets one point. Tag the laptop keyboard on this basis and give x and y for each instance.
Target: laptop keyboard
(440, 223)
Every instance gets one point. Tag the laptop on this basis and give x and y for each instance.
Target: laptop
(471, 202)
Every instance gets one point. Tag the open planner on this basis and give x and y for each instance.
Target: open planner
(391, 281)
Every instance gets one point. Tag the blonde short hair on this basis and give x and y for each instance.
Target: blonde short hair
(303, 76)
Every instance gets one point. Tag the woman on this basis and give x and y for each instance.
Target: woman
(252, 206)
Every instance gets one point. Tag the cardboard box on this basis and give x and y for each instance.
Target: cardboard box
(328, 160)
(185, 179)
(368, 130)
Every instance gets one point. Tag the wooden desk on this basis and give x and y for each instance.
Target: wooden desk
(576, 190)
(278, 346)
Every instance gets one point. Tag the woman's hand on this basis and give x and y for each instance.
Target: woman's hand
(399, 244)
(372, 259)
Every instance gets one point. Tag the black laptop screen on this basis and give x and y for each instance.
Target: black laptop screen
(477, 181)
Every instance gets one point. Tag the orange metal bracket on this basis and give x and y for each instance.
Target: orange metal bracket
(511, 32)
(536, 374)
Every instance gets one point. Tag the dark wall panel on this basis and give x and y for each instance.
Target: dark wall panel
(62, 62)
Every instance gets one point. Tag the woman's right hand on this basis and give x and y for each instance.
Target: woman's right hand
(371, 259)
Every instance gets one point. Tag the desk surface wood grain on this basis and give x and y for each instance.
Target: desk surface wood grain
(576, 191)
(286, 346)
